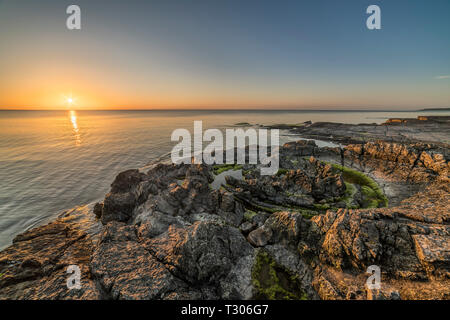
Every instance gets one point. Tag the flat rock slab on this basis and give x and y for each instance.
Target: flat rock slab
(433, 251)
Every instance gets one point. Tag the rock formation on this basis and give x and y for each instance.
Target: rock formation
(309, 232)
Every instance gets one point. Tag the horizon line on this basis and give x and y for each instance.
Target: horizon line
(234, 109)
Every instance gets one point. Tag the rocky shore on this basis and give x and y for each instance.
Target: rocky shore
(308, 232)
(424, 129)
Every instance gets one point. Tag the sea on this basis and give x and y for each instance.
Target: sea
(51, 161)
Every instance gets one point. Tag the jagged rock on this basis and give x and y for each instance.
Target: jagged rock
(238, 285)
(398, 240)
(98, 209)
(301, 148)
(433, 252)
(187, 194)
(415, 162)
(35, 266)
(166, 234)
(300, 187)
(382, 294)
(406, 132)
(155, 223)
(203, 252)
(259, 219)
(260, 237)
(285, 227)
(246, 227)
(126, 270)
(125, 192)
(291, 261)
(230, 210)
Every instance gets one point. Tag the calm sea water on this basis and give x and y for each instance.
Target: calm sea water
(54, 160)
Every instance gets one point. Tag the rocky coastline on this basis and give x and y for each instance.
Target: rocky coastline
(308, 232)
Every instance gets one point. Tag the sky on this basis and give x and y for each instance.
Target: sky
(237, 54)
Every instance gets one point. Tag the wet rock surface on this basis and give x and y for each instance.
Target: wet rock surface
(308, 232)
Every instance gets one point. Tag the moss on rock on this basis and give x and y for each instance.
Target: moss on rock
(273, 282)
(282, 171)
(249, 214)
(219, 168)
(368, 185)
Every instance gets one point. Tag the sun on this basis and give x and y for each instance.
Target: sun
(69, 100)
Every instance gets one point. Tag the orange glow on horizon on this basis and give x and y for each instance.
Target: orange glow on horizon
(48, 89)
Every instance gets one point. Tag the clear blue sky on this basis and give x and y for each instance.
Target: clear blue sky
(226, 54)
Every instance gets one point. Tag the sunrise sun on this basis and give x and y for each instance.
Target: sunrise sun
(69, 100)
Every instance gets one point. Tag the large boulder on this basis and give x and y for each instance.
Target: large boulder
(126, 191)
(126, 270)
(201, 253)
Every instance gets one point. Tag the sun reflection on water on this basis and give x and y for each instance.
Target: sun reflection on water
(76, 130)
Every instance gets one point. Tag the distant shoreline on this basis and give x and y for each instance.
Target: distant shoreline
(435, 109)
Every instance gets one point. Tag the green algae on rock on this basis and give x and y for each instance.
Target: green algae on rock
(273, 282)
